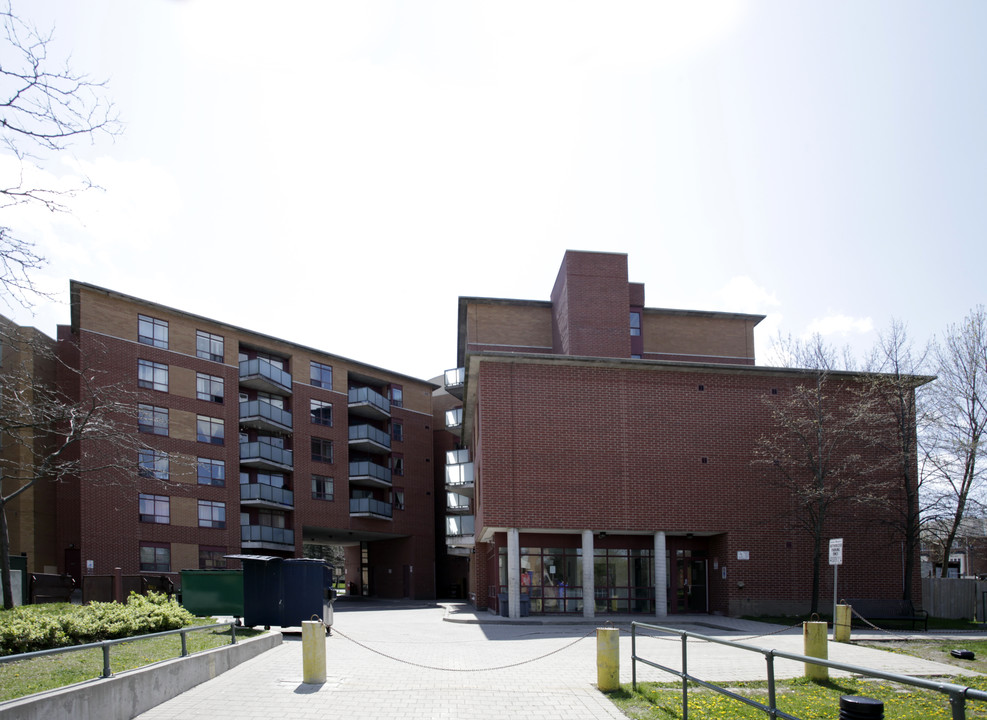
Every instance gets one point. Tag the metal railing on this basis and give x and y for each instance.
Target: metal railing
(268, 493)
(958, 694)
(364, 506)
(369, 396)
(261, 368)
(105, 645)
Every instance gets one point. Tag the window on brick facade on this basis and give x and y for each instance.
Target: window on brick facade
(211, 472)
(397, 430)
(152, 375)
(212, 514)
(399, 498)
(397, 464)
(153, 464)
(271, 399)
(635, 323)
(209, 387)
(321, 375)
(321, 412)
(151, 419)
(209, 346)
(152, 331)
(322, 488)
(212, 558)
(397, 396)
(321, 450)
(155, 557)
(209, 430)
(155, 509)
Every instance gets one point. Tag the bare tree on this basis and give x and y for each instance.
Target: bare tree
(958, 420)
(815, 450)
(44, 107)
(896, 377)
(61, 431)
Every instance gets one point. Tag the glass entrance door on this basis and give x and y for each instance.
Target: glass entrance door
(687, 582)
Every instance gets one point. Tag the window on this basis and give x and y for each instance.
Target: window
(155, 557)
(211, 558)
(397, 430)
(209, 346)
(321, 413)
(212, 514)
(397, 396)
(272, 479)
(209, 387)
(154, 509)
(321, 450)
(397, 464)
(153, 464)
(321, 375)
(399, 499)
(152, 331)
(151, 419)
(272, 400)
(321, 487)
(209, 430)
(635, 323)
(211, 472)
(152, 375)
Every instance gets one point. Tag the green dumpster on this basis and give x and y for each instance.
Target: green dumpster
(213, 592)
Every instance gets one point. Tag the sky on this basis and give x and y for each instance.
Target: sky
(339, 174)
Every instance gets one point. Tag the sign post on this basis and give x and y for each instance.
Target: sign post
(835, 559)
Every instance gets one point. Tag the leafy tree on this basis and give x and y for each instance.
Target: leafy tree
(954, 439)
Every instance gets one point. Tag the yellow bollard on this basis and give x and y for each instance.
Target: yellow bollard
(841, 624)
(607, 659)
(313, 652)
(814, 640)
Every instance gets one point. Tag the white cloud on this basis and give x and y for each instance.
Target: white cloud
(840, 325)
(742, 294)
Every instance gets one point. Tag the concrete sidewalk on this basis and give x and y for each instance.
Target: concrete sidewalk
(448, 661)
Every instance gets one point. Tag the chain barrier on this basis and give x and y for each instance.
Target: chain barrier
(448, 669)
(883, 630)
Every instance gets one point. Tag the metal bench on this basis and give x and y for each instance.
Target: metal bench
(878, 610)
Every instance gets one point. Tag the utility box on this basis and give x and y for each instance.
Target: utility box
(213, 592)
(285, 592)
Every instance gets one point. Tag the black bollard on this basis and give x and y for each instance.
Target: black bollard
(855, 707)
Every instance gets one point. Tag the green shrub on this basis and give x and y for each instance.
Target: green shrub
(29, 628)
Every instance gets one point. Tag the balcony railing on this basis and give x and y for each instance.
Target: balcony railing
(369, 439)
(455, 380)
(260, 494)
(262, 455)
(456, 503)
(454, 418)
(459, 526)
(455, 457)
(264, 416)
(267, 535)
(366, 402)
(368, 507)
(369, 473)
(458, 475)
(261, 375)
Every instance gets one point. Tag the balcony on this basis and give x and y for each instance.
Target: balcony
(259, 374)
(264, 416)
(369, 474)
(368, 403)
(266, 457)
(370, 508)
(455, 381)
(459, 479)
(261, 495)
(454, 421)
(459, 531)
(265, 537)
(368, 439)
(457, 504)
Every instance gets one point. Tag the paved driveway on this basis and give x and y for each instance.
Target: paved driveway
(396, 661)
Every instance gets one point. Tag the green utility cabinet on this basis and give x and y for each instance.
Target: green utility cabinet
(213, 592)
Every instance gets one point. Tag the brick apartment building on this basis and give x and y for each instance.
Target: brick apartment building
(607, 451)
(588, 455)
(253, 444)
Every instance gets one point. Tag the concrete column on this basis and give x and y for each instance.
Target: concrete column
(514, 572)
(589, 584)
(661, 589)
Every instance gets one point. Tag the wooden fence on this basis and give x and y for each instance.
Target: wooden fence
(960, 599)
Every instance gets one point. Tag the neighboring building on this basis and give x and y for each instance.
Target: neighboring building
(254, 445)
(607, 448)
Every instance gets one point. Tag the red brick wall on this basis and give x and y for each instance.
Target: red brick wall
(591, 301)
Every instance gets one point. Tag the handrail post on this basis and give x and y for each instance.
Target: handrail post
(183, 635)
(232, 633)
(770, 657)
(685, 672)
(106, 660)
(634, 656)
(957, 701)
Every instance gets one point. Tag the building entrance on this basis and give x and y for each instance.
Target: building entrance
(687, 577)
